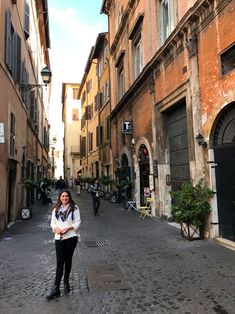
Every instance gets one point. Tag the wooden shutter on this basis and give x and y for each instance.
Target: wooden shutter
(32, 106)
(8, 44)
(14, 56)
(18, 59)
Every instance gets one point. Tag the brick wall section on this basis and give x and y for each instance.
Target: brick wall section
(216, 91)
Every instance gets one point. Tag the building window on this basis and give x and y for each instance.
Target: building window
(12, 134)
(83, 97)
(121, 84)
(90, 138)
(75, 93)
(227, 60)
(26, 20)
(119, 16)
(12, 49)
(99, 135)
(120, 75)
(75, 115)
(137, 51)
(108, 128)
(167, 12)
(106, 91)
(102, 99)
(137, 56)
(89, 86)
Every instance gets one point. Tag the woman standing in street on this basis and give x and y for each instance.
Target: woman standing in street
(65, 223)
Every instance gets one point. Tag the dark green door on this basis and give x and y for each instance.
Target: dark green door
(177, 131)
(225, 184)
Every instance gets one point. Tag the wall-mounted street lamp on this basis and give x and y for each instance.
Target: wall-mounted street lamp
(200, 140)
(46, 77)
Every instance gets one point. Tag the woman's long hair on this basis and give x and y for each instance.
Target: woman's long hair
(59, 203)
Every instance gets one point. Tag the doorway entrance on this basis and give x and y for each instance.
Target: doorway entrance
(177, 131)
(224, 151)
(143, 158)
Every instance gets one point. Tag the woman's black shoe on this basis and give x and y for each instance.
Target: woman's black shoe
(55, 293)
(66, 287)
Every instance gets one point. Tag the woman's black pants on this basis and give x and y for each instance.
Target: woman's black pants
(96, 204)
(64, 254)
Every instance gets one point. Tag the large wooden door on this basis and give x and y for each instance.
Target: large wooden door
(225, 184)
(178, 145)
(224, 151)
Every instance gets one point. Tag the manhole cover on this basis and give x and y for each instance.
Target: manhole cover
(99, 243)
(106, 277)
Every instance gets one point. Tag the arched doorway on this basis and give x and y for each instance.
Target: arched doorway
(123, 175)
(144, 170)
(224, 152)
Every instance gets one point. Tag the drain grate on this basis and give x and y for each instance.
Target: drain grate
(99, 243)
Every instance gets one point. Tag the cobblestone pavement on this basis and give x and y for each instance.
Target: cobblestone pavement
(164, 272)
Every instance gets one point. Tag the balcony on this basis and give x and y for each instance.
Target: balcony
(75, 150)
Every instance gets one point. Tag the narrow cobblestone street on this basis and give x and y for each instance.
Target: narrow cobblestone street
(164, 272)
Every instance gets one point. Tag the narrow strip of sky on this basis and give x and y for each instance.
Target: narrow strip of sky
(74, 26)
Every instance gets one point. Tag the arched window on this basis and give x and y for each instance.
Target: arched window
(224, 132)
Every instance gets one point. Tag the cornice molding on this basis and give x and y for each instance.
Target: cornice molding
(184, 36)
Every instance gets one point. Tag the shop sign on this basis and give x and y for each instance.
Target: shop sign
(127, 127)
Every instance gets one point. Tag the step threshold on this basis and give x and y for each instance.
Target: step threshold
(227, 243)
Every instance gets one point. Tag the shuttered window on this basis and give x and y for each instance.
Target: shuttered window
(228, 60)
(8, 36)
(12, 49)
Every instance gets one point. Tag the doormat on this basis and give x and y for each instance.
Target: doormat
(106, 277)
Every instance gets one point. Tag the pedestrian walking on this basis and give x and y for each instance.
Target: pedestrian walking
(65, 223)
(77, 182)
(61, 184)
(95, 190)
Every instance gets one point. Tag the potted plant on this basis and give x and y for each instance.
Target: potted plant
(190, 208)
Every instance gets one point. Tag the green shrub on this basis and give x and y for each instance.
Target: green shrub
(190, 204)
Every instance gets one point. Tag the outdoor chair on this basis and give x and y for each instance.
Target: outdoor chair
(131, 205)
(146, 210)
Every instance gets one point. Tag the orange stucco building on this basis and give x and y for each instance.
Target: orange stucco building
(24, 43)
(172, 100)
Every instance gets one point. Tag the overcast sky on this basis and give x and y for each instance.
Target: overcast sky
(74, 26)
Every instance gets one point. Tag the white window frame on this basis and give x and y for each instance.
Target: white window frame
(167, 11)
(137, 56)
(121, 81)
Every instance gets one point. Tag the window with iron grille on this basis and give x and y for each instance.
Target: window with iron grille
(12, 134)
(227, 60)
